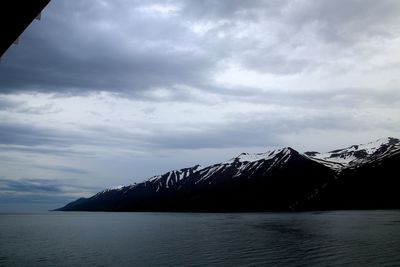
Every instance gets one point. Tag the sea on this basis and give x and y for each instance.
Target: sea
(333, 238)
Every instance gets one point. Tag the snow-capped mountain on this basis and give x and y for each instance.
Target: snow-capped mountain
(245, 162)
(357, 154)
(281, 179)
(367, 177)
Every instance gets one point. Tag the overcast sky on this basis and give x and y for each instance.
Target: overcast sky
(110, 92)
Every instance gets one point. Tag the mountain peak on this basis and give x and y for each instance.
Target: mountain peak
(252, 157)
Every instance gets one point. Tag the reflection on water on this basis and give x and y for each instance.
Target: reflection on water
(352, 238)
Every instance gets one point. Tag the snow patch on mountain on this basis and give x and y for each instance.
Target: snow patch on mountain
(249, 163)
(356, 154)
(252, 157)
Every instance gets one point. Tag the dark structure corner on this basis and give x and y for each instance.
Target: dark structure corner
(15, 18)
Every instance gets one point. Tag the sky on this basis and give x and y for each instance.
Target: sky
(101, 93)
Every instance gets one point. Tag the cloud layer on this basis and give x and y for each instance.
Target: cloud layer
(133, 48)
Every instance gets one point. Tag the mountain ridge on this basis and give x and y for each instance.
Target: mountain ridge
(280, 179)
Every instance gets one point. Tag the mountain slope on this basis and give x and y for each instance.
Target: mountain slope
(367, 178)
(275, 180)
(372, 185)
(359, 176)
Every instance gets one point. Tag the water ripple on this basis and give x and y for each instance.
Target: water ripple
(349, 238)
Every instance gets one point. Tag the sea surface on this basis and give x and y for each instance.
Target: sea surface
(335, 238)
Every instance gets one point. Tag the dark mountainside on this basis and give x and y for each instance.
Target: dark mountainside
(357, 177)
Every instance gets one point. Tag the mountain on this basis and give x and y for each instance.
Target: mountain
(368, 177)
(359, 176)
(356, 155)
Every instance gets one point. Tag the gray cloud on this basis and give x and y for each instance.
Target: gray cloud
(30, 135)
(30, 185)
(237, 130)
(235, 9)
(85, 47)
(9, 105)
(336, 21)
(33, 194)
(63, 169)
(254, 130)
(348, 21)
(41, 139)
(28, 138)
(138, 54)
(15, 106)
